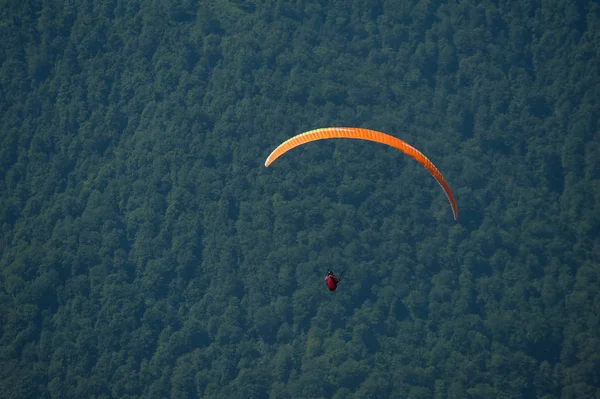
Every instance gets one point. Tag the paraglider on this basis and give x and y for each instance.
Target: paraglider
(370, 135)
(331, 280)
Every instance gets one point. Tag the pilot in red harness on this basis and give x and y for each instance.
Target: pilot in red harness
(331, 280)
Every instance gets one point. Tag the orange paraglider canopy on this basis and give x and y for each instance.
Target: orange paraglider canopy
(365, 134)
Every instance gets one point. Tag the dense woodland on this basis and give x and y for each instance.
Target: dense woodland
(145, 250)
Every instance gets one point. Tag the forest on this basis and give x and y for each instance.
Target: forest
(147, 252)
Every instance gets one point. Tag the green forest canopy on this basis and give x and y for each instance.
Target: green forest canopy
(145, 251)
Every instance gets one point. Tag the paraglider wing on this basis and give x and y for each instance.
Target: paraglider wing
(365, 134)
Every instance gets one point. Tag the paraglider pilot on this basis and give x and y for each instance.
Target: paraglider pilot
(331, 280)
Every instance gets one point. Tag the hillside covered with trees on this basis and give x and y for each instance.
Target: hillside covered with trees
(145, 250)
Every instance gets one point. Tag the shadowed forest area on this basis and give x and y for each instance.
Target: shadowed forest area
(146, 252)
